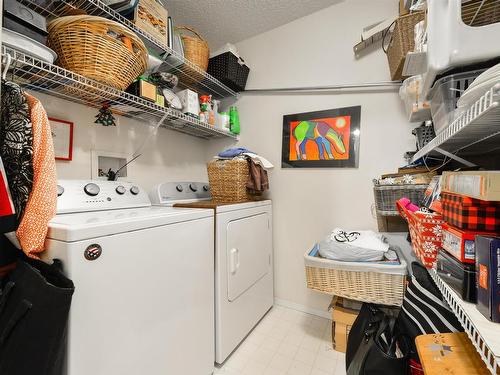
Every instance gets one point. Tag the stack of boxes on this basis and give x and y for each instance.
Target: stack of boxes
(469, 258)
(344, 313)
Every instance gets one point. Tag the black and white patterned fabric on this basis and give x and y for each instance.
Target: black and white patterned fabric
(16, 144)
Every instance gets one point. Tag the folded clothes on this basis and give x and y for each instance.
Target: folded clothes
(232, 152)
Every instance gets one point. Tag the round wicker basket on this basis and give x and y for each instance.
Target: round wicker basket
(98, 48)
(195, 47)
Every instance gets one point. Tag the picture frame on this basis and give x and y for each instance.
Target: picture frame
(322, 139)
(62, 138)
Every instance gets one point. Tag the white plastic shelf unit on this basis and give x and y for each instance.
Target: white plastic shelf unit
(190, 75)
(37, 75)
(475, 132)
(484, 334)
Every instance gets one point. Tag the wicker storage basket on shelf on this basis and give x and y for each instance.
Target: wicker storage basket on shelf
(402, 42)
(360, 281)
(196, 51)
(98, 48)
(228, 179)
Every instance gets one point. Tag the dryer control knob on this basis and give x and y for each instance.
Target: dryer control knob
(91, 189)
(134, 190)
(179, 188)
(206, 187)
(120, 189)
(60, 190)
(193, 187)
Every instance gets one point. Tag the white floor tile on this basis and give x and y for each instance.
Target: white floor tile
(286, 342)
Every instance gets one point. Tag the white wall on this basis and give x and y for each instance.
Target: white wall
(167, 156)
(308, 203)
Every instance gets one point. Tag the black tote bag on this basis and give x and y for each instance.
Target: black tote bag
(373, 343)
(34, 307)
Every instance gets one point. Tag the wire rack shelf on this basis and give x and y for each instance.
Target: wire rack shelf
(190, 75)
(38, 75)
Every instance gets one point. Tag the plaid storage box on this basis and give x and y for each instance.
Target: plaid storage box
(426, 232)
(470, 213)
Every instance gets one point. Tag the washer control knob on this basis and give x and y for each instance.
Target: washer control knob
(120, 189)
(193, 187)
(206, 187)
(179, 188)
(134, 190)
(91, 189)
(60, 190)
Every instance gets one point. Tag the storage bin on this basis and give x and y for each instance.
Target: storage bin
(426, 232)
(469, 213)
(386, 196)
(417, 108)
(402, 41)
(228, 179)
(424, 134)
(461, 243)
(361, 281)
(461, 277)
(98, 48)
(230, 70)
(452, 41)
(445, 94)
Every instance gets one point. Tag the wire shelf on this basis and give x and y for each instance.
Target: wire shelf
(37, 75)
(475, 132)
(190, 75)
(482, 333)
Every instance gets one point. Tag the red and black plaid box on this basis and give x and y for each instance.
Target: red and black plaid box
(469, 213)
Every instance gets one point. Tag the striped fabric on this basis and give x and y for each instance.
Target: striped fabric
(423, 307)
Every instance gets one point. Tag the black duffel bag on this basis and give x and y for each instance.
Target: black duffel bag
(34, 306)
(375, 346)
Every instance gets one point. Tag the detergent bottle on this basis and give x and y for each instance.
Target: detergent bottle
(234, 120)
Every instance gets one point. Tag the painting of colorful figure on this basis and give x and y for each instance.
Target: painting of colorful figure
(321, 139)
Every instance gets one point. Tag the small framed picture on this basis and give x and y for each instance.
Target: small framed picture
(62, 137)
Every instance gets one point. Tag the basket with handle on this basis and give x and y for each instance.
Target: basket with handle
(228, 179)
(195, 50)
(401, 42)
(98, 48)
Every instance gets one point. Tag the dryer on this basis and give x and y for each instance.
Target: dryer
(243, 259)
(144, 300)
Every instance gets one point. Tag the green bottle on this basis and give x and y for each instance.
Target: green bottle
(234, 120)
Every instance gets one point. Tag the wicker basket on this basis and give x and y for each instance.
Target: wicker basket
(196, 51)
(402, 42)
(98, 48)
(373, 283)
(228, 179)
(386, 196)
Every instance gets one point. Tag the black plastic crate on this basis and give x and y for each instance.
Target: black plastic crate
(424, 134)
(230, 70)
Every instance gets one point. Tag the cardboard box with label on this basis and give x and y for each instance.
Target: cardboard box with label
(343, 319)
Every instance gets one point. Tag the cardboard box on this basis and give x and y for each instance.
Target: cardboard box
(343, 319)
(461, 243)
(484, 185)
(488, 277)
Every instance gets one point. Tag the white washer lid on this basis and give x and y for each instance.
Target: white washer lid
(86, 225)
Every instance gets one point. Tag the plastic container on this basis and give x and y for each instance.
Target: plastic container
(371, 282)
(417, 108)
(424, 134)
(445, 94)
(386, 196)
(234, 120)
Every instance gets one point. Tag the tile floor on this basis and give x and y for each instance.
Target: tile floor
(287, 342)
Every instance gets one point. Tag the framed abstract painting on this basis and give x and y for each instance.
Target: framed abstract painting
(322, 139)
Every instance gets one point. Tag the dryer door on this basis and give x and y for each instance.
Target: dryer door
(248, 249)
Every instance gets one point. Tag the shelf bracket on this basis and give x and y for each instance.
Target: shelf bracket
(454, 157)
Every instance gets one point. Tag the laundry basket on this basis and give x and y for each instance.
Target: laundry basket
(361, 281)
(228, 179)
(98, 48)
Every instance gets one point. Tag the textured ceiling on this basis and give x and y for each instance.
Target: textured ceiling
(223, 21)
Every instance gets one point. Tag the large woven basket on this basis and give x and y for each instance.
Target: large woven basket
(196, 51)
(402, 42)
(360, 281)
(98, 48)
(228, 179)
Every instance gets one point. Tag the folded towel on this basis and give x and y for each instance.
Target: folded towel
(266, 164)
(232, 152)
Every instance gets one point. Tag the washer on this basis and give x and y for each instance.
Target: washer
(243, 260)
(144, 300)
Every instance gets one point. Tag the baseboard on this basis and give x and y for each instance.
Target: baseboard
(302, 308)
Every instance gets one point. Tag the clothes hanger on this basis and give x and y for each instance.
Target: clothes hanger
(8, 61)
